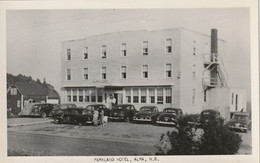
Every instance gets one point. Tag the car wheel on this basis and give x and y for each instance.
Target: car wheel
(43, 115)
(56, 121)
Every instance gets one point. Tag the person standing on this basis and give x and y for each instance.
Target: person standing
(101, 117)
(95, 117)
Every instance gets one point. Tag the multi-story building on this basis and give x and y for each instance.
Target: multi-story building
(167, 68)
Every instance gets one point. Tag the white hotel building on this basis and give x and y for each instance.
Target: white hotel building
(167, 68)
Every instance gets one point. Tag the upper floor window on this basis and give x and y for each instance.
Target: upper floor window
(168, 70)
(193, 98)
(68, 74)
(145, 71)
(104, 51)
(123, 72)
(104, 75)
(194, 47)
(85, 53)
(85, 74)
(145, 47)
(168, 45)
(193, 71)
(13, 91)
(123, 49)
(68, 54)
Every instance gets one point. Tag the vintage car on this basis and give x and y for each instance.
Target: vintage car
(122, 112)
(37, 109)
(169, 116)
(208, 115)
(73, 115)
(146, 114)
(240, 122)
(99, 107)
(61, 107)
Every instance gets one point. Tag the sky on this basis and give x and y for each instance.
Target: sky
(34, 36)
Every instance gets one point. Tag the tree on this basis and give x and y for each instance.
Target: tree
(213, 138)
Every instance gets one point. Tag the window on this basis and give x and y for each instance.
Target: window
(135, 96)
(87, 97)
(145, 47)
(128, 95)
(232, 99)
(104, 51)
(85, 74)
(159, 96)
(194, 47)
(145, 71)
(68, 54)
(205, 95)
(80, 95)
(152, 95)
(18, 103)
(93, 96)
(143, 95)
(68, 95)
(123, 49)
(85, 53)
(168, 70)
(104, 75)
(68, 74)
(123, 72)
(193, 96)
(75, 97)
(193, 71)
(13, 91)
(168, 45)
(100, 97)
(168, 95)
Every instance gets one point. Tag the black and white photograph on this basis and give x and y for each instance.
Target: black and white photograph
(131, 84)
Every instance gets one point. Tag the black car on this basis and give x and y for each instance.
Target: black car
(169, 116)
(240, 122)
(99, 107)
(61, 107)
(146, 114)
(74, 116)
(122, 112)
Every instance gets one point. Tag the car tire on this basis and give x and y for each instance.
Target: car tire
(43, 115)
(126, 119)
(56, 121)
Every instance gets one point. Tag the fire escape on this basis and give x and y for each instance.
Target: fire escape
(214, 64)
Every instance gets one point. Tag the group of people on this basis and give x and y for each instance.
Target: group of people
(98, 117)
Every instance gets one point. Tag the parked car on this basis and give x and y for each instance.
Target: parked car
(37, 109)
(122, 112)
(58, 107)
(99, 107)
(206, 116)
(169, 116)
(240, 122)
(146, 114)
(73, 115)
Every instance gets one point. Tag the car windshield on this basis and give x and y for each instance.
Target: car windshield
(240, 117)
(146, 110)
(170, 111)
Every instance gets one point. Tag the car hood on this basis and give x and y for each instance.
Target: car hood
(167, 115)
(143, 114)
(244, 122)
(118, 111)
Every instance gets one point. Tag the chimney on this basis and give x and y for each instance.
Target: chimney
(214, 41)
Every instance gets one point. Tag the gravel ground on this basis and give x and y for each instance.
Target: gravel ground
(119, 131)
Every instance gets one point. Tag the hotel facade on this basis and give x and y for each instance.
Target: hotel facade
(165, 68)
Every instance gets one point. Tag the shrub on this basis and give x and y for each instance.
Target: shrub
(215, 138)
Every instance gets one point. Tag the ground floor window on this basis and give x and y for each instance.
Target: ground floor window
(135, 96)
(80, 95)
(160, 96)
(168, 92)
(100, 97)
(149, 95)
